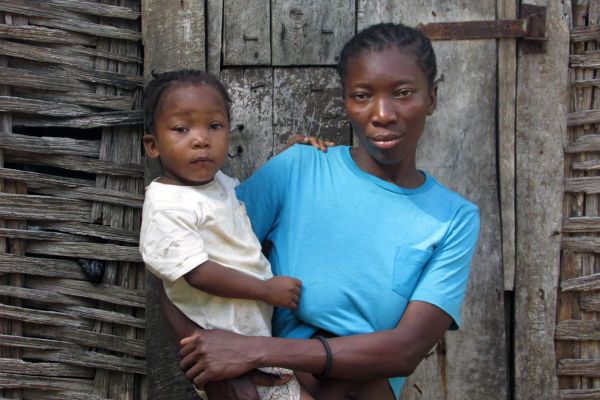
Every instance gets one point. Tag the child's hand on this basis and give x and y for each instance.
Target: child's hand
(311, 140)
(283, 291)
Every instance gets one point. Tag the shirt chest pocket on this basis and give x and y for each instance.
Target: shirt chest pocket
(408, 265)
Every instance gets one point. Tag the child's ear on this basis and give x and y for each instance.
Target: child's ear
(150, 145)
(433, 97)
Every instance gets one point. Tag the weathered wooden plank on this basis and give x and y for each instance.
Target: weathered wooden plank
(579, 394)
(579, 367)
(541, 121)
(91, 339)
(581, 224)
(75, 163)
(33, 316)
(92, 8)
(110, 118)
(8, 365)
(97, 251)
(36, 8)
(308, 101)
(60, 395)
(246, 32)
(214, 35)
(578, 330)
(15, 206)
(44, 54)
(116, 103)
(580, 83)
(45, 383)
(465, 119)
(174, 35)
(10, 263)
(90, 359)
(310, 32)
(252, 93)
(106, 316)
(588, 60)
(583, 117)
(102, 292)
(20, 77)
(582, 244)
(93, 230)
(583, 283)
(585, 33)
(40, 107)
(34, 343)
(507, 85)
(121, 80)
(40, 179)
(589, 185)
(589, 165)
(37, 235)
(39, 296)
(590, 301)
(95, 194)
(43, 35)
(106, 54)
(88, 28)
(590, 142)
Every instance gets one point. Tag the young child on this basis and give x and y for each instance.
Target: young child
(195, 235)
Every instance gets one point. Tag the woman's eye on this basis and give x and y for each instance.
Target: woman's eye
(404, 92)
(359, 96)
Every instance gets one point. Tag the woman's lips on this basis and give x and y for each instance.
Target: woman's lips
(385, 141)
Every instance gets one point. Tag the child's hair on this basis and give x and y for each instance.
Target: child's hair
(383, 36)
(167, 80)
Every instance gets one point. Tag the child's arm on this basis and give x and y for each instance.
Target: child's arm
(213, 278)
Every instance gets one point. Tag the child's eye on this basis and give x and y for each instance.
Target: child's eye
(180, 129)
(216, 125)
(404, 92)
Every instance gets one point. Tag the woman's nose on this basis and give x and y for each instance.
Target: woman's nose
(383, 113)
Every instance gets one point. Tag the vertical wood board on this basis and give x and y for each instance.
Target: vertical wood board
(246, 32)
(308, 101)
(541, 125)
(459, 148)
(214, 35)
(173, 35)
(251, 91)
(311, 32)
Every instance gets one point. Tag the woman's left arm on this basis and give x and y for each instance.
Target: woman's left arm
(216, 355)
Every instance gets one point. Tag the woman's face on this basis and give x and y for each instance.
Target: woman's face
(387, 99)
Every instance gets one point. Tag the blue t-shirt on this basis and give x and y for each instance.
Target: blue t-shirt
(362, 247)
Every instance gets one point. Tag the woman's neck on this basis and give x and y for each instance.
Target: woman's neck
(403, 174)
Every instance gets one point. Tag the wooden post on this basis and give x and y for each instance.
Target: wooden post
(174, 38)
(541, 129)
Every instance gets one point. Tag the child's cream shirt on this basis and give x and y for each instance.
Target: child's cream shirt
(184, 226)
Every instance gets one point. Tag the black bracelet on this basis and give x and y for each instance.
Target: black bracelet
(328, 359)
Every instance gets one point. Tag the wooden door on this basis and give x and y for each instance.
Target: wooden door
(277, 59)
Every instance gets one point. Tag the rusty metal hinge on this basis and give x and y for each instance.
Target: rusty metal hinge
(531, 28)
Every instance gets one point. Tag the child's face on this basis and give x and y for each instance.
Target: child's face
(387, 98)
(191, 135)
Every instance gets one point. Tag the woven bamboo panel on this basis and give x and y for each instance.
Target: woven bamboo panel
(72, 295)
(578, 326)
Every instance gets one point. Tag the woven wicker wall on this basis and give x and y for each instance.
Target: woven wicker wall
(578, 328)
(71, 179)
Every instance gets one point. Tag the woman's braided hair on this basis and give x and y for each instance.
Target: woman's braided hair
(383, 36)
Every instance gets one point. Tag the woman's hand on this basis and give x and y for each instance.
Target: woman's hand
(314, 141)
(215, 355)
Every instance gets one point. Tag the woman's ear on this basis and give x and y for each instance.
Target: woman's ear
(433, 97)
(150, 145)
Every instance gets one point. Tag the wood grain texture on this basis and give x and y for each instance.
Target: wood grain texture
(252, 113)
(214, 35)
(458, 148)
(173, 35)
(246, 32)
(310, 32)
(308, 101)
(540, 167)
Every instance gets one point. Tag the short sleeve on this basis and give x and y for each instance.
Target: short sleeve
(264, 191)
(444, 278)
(172, 245)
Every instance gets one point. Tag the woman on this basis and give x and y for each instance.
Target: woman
(381, 248)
